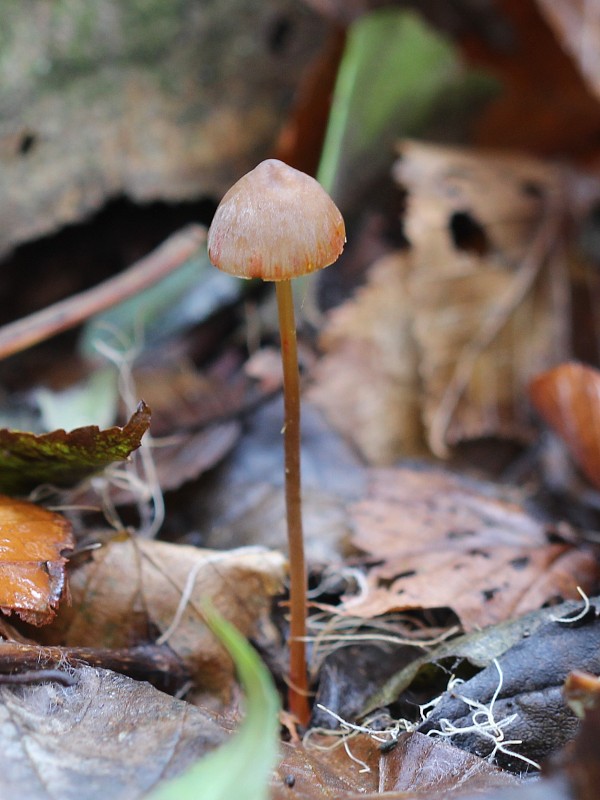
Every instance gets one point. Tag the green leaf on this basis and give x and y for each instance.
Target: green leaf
(243, 766)
(64, 459)
(396, 75)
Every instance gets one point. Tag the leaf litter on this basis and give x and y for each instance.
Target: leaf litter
(402, 372)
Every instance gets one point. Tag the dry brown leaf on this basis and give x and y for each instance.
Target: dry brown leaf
(32, 567)
(488, 285)
(447, 542)
(568, 398)
(367, 383)
(131, 591)
(307, 773)
(430, 768)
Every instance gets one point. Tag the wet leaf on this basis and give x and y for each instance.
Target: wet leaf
(448, 542)
(32, 565)
(249, 757)
(105, 736)
(61, 458)
(131, 592)
(567, 397)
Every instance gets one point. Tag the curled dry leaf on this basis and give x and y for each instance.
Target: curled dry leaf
(568, 398)
(131, 592)
(444, 541)
(61, 458)
(488, 285)
(32, 565)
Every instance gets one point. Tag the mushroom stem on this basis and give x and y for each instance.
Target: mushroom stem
(298, 688)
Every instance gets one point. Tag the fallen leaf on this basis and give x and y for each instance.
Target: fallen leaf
(105, 736)
(568, 399)
(32, 565)
(249, 757)
(323, 770)
(523, 687)
(449, 542)
(429, 768)
(487, 285)
(367, 382)
(478, 648)
(131, 591)
(61, 458)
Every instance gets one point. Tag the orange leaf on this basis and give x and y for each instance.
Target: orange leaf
(568, 399)
(32, 577)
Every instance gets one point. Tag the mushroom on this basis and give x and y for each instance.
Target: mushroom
(277, 223)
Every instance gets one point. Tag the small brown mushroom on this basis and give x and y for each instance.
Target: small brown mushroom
(277, 223)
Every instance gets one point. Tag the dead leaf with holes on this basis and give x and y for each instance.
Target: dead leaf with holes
(568, 399)
(32, 562)
(488, 285)
(440, 343)
(135, 591)
(445, 541)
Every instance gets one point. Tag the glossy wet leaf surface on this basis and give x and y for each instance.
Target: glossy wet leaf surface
(33, 542)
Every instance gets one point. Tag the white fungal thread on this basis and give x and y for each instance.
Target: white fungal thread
(586, 607)
(485, 725)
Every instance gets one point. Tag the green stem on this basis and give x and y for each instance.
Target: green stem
(298, 690)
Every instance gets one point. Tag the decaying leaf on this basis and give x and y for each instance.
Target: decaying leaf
(61, 458)
(440, 344)
(105, 736)
(32, 564)
(448, 542)
(323, 770)
(523, 690)
(568, 398)
(429, 768)
(487, 285)
(367, 383)
(131, 592)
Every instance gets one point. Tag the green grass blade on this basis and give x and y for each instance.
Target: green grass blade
(243, 766)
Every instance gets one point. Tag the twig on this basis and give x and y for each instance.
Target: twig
(69, 313)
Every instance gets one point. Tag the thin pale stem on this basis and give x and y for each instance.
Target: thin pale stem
(298, 690)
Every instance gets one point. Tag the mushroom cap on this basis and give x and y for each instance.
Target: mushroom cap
(275, 223)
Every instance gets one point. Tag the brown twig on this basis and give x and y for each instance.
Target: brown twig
(69, 313)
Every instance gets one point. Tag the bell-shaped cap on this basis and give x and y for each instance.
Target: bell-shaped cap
(275, 223)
